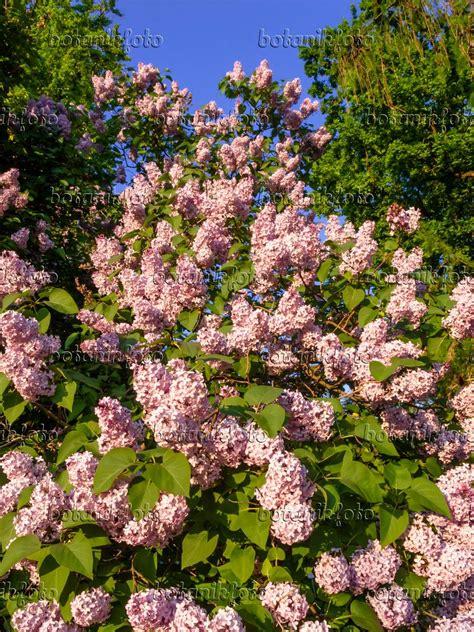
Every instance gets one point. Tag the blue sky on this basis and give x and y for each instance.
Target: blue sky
(199, 40)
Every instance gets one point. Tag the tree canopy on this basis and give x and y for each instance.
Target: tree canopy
(395, 85)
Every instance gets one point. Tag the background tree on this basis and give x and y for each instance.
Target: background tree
(394, 83)
(50, 128)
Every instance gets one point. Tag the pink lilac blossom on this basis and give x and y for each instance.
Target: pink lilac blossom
(10, 191)
(339, 232)
(203, 150)
(314, 626)
(151, 609)
(226, 620)
(292, 316)
(283, 242)
(279, 358)
(224, 199)
(292, 91)
(109, 509)
(250, 327)
(91, 607)
(117, 430)
(25, 355)
(260, 447)
(407, 263)
(402, 219)
(338, 361)
(403, 304)
(286, 481)
(463, 405)
(292, 523)
(359, 257)
(262, 77)
(460, 320)
(398, 423)
(21, 237)
(333, 572)
(145, 76)
(44, 241)
(51, 114)
(443, 548)
(158, 527)
(228, 441)
(463, 622)
(104, 87)
(309, 419)
(212, 341)
(417, 384)
(105, 349)
(373, 566)
(18, 276)
(189, 617)
(237, 73)
(106, 249)
(211, 243)
(450, 445)
(316, 142)
(286, 604)
(43, 515)
(41, 616)
(393, 607)
(21, 471)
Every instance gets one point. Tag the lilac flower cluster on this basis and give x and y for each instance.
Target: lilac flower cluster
(10, 191)
(25, 355)
(174, 611)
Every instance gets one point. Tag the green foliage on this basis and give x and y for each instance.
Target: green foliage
(395, 85)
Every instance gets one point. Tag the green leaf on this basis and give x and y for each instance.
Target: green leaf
(53, 577)
(397, 476)
(255, 615)
(75, 555)
(235, 406)
(257, 395)
(242, 563)
(189, 319)
(393, 522)
(366, 315)
(44, 318)
(143, 495)
(352, 297)
(380, 372)
(4, 382)
(371, 430)
(173, 475)
(112, 464)
(271, 419)
(362, 480)
(437, 348)
(324, 269)
(409, 362)
(13, 406)
(72, 442)
(364, 616)
(64, 395)
(21, 548)
(24, 497)
(197, 547)
(279, 574)
(62, 301)
(426, 494)
(216, 356)
(7, 530)
(146, 563)
(255, 525)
